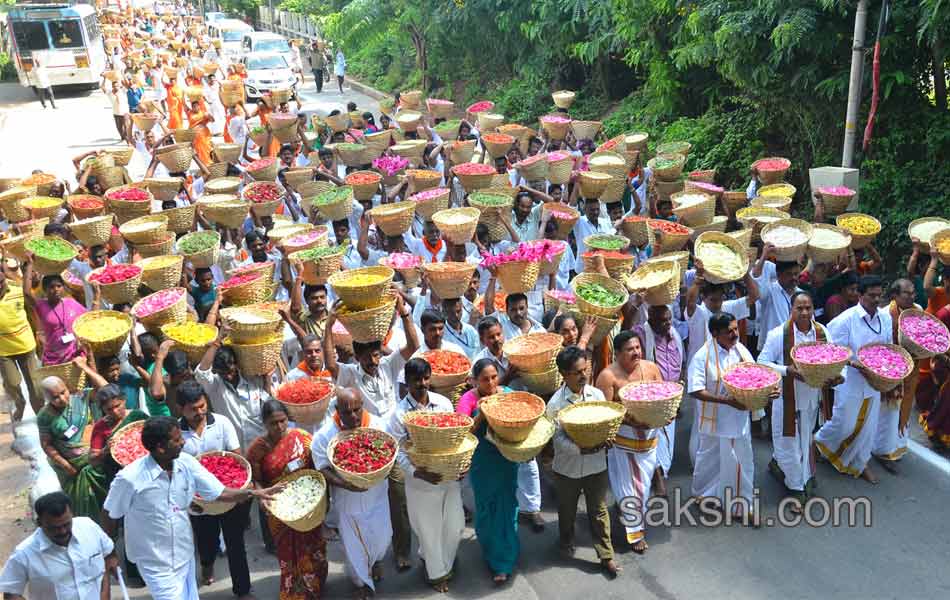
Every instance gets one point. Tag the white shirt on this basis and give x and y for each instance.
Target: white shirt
(698, 323)
(511, 331)
(54, 572)
(584, 228)
(379, 391)
(528, 230)
(774, 304)
(568, 460)
(241, 405)
(705, 373)
(855, 328)
(218, 434)
(501, 364)
(418, 247)
(437, 403)
(345, 502)
(773, 355)
(155, 507)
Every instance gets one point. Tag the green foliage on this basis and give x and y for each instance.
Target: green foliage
(7, 68)
(247, 8)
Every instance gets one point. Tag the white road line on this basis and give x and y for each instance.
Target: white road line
(929, 456)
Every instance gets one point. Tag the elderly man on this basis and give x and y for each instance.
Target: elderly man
(362, 515)
(66, 558)
(153, 494)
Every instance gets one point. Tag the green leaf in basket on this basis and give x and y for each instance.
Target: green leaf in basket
(332, 196)
(599, 295)
(319, 252)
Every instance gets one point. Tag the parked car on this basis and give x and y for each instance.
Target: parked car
(267, 71)
(265, 41)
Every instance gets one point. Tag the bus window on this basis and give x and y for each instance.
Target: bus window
(231, 35)
(66, 34)
(30, 35)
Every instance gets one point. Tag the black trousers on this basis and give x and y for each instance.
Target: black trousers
(231, 524)
(318, 79)
(45, 94)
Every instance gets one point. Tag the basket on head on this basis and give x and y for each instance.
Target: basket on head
(193, 351)
(533, 168)
(164, 188)
(423, 179)
(217, 507)
(181, 219)
(94, 231)
(429, 202)
(518, 276)
(863, 228)
(161, 272)
(310, 413)
(563, 98)
(369, 324)
(217, 170)
(593, 183)
(258, 358)
(534, 352)
(657, 281)
(818, 374)
(176, 157)
(393, 219)
(202, 258)
(119, 292)
(309, 190)
(667, 167)
(940, 242)
(655, 412)
(537, 438)
(440, 109)
(362, 288)
(604, 282)
(363, 481)
(710, 247)
(411, 150)
(783, 203)
(615, 265)
(880, 382)
(497, 144)
(277, 97)
(173, 313)
(42, 207)
(104, 341)
(379, 141)
(489, 121)
(461, 152)
(365, 184)
(552, 265)
(924, 230)
(297, 176)
(445, 381)
(184, 135)
(165, 246)
(755, 218)
(229, 153)
(512, 415)
(591, 424)
(563, 215)
(15, 245)
(448, 279)
(335, 203)
(408, 120)
(914, 348)
(145, 230)
(267, 207)
(121, 155)
(693, 208)
(836, 199)
(450, 464)
(718, 224)
(772, 173)
(50, 266)
(734, 200)
(433, 440)
(71, 375)
(586, 130)
(232, 92)
(338, 123)
(266, 171)
(111, 177)
(665, 189)
(827, 243)
(247, 292)
(556, 126)
(785, 251)
(96, 205)
(145, 121)
(230, 213)
(752, 399)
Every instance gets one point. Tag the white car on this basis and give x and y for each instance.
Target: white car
(265, 41)
(267, 71)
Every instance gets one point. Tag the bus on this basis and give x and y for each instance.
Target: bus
(65, 39)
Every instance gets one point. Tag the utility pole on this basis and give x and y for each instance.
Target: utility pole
(854, 86)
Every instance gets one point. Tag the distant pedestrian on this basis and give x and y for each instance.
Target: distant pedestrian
(318, 64)
(340, 69)
(39, 80)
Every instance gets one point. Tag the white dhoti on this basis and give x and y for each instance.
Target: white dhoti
(793, 454)
(366, 537)
(664, 447)
(630, 466)
(529, 487)
(437, 519)
(694, 434)
(723, 463)
(889, 442)
(165, 583)
(846, 440)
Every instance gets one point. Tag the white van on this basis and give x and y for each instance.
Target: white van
(265, 41)
(230, 32)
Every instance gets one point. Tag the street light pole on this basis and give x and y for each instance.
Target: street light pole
(854, 86)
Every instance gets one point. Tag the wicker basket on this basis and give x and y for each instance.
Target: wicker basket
(518, 276)
(448, 279)
(259, 358)
(860, 240)
(204, 258)
(229, 153)
(755, 218)
(913, 348)
(120, 292)
(593, 184)
(378, 142)
(165, 246)
(754, 399)
(94, 231)
(518, 452)
(361, 296)
(311, 413)
(718, 224)
(145, 121)
(563, 99)
(393, 219)
(265, 325)
(338, 210)
(498, 145)
(734, 200)
(174, 313)
(821, 255)
(772, 176)
(789, 253)
(150, 229)
(590, 434)
(564, 224)
(370, 324)
(450, 464)
(712, 273)
(267, 172)
(71, 375)
(317, 514)
(653, 413)
(176, 157)
(886, 384)
(85, 325)
(46, 266)
(309, 190)
(936, 241)
(428, 206)
(15, 246)
(511, 430)
(457, 225)
(534, 352)
(435, 440)
(489, 121)
(461, 152)
(541, 384)
(669, 173)
(223, 185)
(134, 428)
(777, 202)
(230, 214)
(161, 272)
(85, 213)
(555, 127)
(423, 179)
(695, 214)
(608, 283)
(216, 507)
(835, 204)
(663, 292)
(364, 191)
(473, 182)
(248, 292)
(164, 189)
(363, 481)
(298, 176)
(194, 352)
(320, 270)
(41, 212)
(816, 375)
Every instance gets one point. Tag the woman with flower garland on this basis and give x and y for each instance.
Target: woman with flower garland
(279, 452)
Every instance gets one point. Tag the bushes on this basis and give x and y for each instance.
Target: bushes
(7, 68)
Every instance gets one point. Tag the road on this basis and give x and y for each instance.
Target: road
(901, 554)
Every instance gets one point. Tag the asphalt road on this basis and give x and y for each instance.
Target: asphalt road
(901, 555)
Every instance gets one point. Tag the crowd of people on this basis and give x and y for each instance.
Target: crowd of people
(192, 405)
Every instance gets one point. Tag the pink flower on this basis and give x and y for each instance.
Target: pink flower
(748, 376)
(836, 190)
(554, 119)
(884, 361)
(536, 251)
(158, 301)
(820, 354)
(927, 332)
(403, 260)
(651, 391)
(390, 164)
(427, 194)
(563, 295)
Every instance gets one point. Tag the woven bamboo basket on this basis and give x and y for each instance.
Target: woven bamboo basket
(461, 152)
(176, 157)
(408, 120)
(309, 190)
(393, 219)
(427, 207)
(412, 150)
(85, 213)
(518, 276)
(541, 384)
(861, 240)
(654, 413)
(165, 246)
(772, 176)
(608, 283)
(511, 430)
(145, 121)
(473, 182)
(287, 229)
(267, 172)
(563, 99)
(560, 169)
(564, 224)
(259, 137)
(32, 205)
(217, 170)
(163, 189)
(703, 175)
(338, 123)
(150, 229)
(311, 413)
(161, 272)
(637, 141)
(694, 214)
(586, 130)
(86, 331)
(448, 279)
(555, 127)
(713, 274)
(886, 384)
(339, 209)
(777, 202)
(363, 481)
(752, 399)
(423, 179)
(120, 292)
(913, 348)
(311, 238)
(835, 204)
(45, 266)
(816, 375)
(789, 252)
(259, 358)
(174, 313)
(538, 437)
(69, 372)
(194, 352)
(112, 177)
(444, 381)
(777, 190)
(223, 185)
(204, 258)
(229, 153)
(590, 433)
(230, 214)
(440, 110)
(435, 440)
(126, 210)
(249, 292)
(552, 266)
(828, 255)
(134, 428)
(498, 145)
(593, 184)
(232, 92)
(184, 135)
(451, 464)
(665, 189)
(668, 173)
(316, 515)
(263, 209)
(939, 240)
(534, 352)
(350, 155)
(755, 218)
(122, 155)
(217, 507)
(718, 224)
(297, 176)
(616, 267)
(33, 226)
(250, 325)
(597, 241)
(370, 324)
(181, 219)
(637, 231)
(533, 168)
(734, 200)
(662, 291)
(744, 236)
(489, 121)
(378, 142)
(364, 191)
(603, 327)
(94, 231)
(914, 231)
(360, 296)
(11, 202)
(457, 225)
(554, 303)
(671, 242)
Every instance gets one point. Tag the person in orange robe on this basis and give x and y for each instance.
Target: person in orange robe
(198, 119)
(175, 99)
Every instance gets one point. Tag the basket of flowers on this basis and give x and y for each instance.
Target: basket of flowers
(145, 230)
(836, 199)
(227, 213)
(71, 375)
(512, 415)
(450, 464)
(819, 362)
(335, 203)
(667, 167)
(200, 248)
(161, 272)
(922, 334)
(430, 201)
(591, 424)
(406, 264)
(659, 282)
(497, 144)
(863, 228)
(367, 325)
(593, 183)
(257, 358)
(92, 231)
(474, 176)
(599, 295)
(105, 331)
(751, 384)
(757, 217)
(789, 237)
(42, 207)
(461, 152)
(556, 126)
(265, 197)
(320, 262)
(245, 288)
(119, 283)
(232, 470)
(518, 270)
(653, 403)
(363, 456)
(263, 169)
(306, 399)
(393, 219)
(190, 337)
(457, 225)
(125, 445)
(888, 365)
(362, 288)
(302, 505)
(563, 215)
(365, 184)
(533, 168)
(51, 254)
(176, 157)
(160, 308)
(771, 170)
(724, 258)
(693, 208)
(448, 279)
(534, 352)
(449, 369)
(85, 206)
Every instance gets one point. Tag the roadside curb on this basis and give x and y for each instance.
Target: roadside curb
(365, 89)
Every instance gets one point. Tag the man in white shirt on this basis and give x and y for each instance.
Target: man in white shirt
(39, 77)
(526, 216)
(65, 558)
(153, 495)
(777, 283)
(724, 442)
(457, 331)
(434, 504)
(580, 470)
(120, 108)
(515, 321)
(433, 333)
(594, 220)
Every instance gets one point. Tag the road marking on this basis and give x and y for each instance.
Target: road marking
(929, 456)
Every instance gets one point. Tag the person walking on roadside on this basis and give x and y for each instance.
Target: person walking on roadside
(340, 69)
(39, 81)
(120, 108)
(318, 64)
(17, 346)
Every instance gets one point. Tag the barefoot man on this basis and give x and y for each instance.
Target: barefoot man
(632, 459)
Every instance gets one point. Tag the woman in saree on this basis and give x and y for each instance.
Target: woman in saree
(494, 481)
(933, 394)
(115, 416)
(198, 120)
(55, 314)
(279, 452)
(175, 100)
(61, 424)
